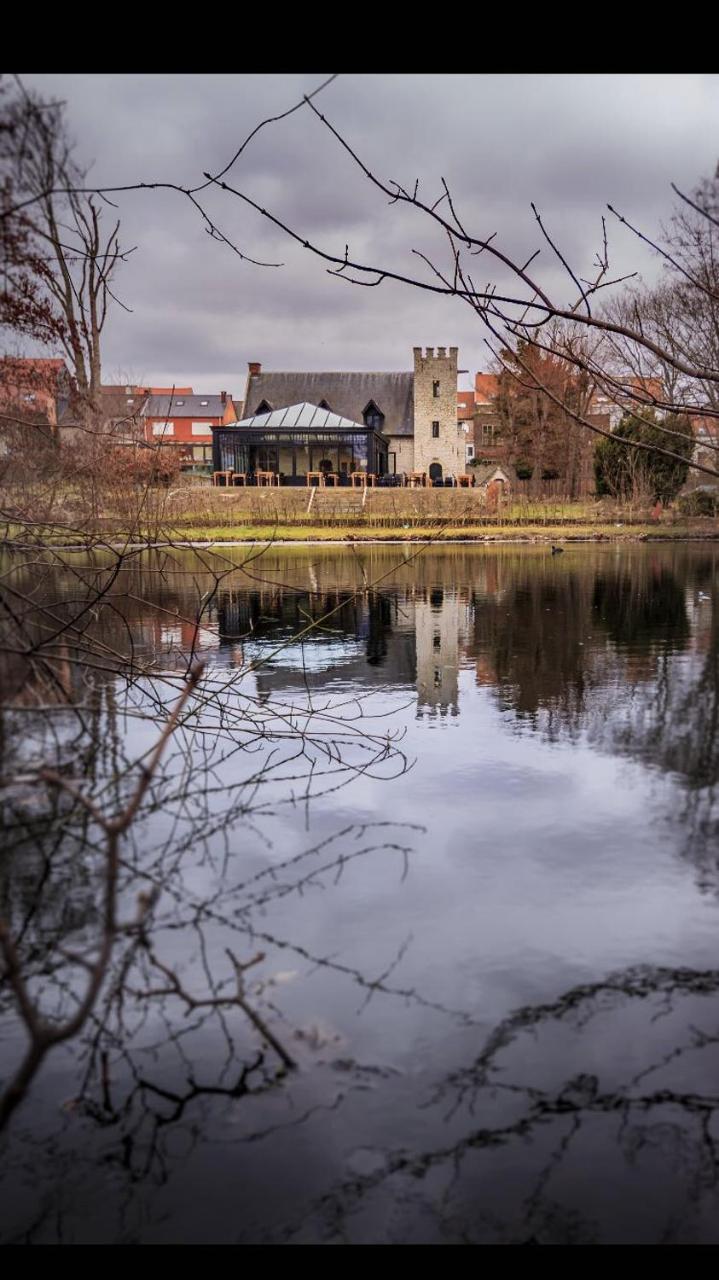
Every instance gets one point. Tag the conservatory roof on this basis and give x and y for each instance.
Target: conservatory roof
(299, 415)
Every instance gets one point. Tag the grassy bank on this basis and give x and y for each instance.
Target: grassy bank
(204, 514)
(362, 534)
(453, 533)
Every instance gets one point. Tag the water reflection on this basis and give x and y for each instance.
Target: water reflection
(484, 990)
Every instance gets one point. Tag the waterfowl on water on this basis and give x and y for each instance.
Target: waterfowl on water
(557, 551)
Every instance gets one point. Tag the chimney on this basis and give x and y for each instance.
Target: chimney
(254, 368)
(223, 397)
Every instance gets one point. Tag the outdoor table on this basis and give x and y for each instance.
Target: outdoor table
(319, 476)
(217, 477)
(239, 477)
(417, 479)
(358, 479)
(267, 477)
(332, 477)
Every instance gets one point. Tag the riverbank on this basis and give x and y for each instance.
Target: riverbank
(201, 516)
(408, 515)
(301, 535)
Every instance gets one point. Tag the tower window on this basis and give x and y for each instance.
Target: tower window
(435, 431)
(435, 389)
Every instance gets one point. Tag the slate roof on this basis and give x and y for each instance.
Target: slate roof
(347, 394)
(300, 415)
(182, 406)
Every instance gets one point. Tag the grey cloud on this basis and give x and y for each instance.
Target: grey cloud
(570, 143)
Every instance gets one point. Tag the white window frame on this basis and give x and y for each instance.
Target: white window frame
(469, 452)
(163, 428)
(201, 429)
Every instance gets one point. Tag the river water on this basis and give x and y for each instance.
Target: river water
(455, 809)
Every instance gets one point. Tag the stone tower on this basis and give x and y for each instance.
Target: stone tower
(438, 441)
(437, 632)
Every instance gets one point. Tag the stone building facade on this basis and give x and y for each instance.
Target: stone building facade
(416, 412)
(439, 441)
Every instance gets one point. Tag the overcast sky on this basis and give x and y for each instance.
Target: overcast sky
(199, 314)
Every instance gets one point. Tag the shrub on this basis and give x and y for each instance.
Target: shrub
(118, 466)
(702, 502)
(626, 472)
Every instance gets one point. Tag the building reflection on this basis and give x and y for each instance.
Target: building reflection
(558, 642)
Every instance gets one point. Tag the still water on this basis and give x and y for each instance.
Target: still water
(461, 804)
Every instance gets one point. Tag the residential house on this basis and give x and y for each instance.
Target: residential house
(465, 421)
(34, 393)
(490, 445)
(487, 422)
(183, 421)
(121, 413)
(124, 408)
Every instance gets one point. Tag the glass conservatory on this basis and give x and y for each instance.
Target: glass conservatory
(297, 442)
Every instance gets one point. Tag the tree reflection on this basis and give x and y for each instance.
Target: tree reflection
(204, 1016)
(540, 1103)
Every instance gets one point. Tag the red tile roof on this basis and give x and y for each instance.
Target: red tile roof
(465, 404)
(486, 386)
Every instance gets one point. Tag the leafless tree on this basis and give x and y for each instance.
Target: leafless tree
(61, 261)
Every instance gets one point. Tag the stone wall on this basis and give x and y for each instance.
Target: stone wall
(403, 449)
(435, 401)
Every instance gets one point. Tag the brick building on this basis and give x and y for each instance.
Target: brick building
(487, 442)
(487, 426)
(35, 392)
(183, 422)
